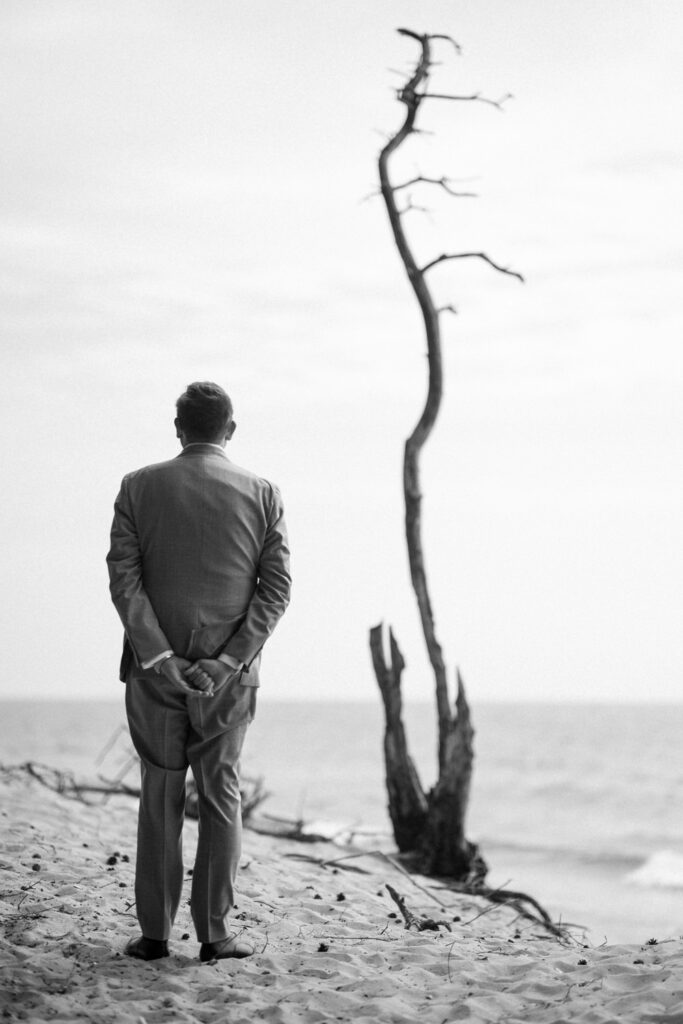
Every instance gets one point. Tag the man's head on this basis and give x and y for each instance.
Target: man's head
(204, 414)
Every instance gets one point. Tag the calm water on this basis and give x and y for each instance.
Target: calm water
(579, 805)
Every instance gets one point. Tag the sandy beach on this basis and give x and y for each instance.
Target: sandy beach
(330, 943)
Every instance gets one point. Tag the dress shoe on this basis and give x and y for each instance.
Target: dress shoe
(225, 949)
(147, 949)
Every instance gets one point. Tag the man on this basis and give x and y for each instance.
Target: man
(199, 574)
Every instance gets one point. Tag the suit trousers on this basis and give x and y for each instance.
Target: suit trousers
(171, 731)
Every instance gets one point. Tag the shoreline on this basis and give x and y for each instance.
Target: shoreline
(330, 943)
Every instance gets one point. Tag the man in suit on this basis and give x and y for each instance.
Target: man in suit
(199, 574)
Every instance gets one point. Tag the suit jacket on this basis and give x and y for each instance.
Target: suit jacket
(199, 560)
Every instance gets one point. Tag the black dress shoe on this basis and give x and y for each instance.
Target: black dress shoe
(225, 949)
(147, 949)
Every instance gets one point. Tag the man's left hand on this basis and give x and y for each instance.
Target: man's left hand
(209, 674)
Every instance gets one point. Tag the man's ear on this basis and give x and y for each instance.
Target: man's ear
(230, 429)
(176, 424)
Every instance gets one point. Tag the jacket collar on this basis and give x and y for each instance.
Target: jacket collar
(202, 448)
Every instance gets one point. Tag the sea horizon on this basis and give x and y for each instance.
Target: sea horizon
(635, 701)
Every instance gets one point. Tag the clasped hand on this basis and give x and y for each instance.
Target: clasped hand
(209, 675)
(202, 678)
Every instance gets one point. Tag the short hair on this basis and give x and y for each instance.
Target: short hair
(204, 410)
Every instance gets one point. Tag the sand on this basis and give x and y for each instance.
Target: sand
(330, 946)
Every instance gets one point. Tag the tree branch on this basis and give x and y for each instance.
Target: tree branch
(449, 39)
(412, 206)
(443, 182)
(469, 255)
(477, 97)
(429, 35)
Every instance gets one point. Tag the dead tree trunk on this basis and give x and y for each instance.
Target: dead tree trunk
(444, 847)
(432, 826)
(407, 803)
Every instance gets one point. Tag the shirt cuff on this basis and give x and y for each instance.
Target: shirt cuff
(153, 661)
(227, 659)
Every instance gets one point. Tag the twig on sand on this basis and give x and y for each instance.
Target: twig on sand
(411, 878)
(421, 924)
(524, 904)
(336, 862)
(487, 910)
(322, 863)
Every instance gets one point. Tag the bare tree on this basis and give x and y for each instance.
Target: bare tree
(432, 824)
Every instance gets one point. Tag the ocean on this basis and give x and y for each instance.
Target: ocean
(579, 805)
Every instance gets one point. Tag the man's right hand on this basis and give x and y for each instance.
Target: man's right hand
(211, 674)
(173, 670)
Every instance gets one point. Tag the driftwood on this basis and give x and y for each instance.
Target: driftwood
(285, 828)
(65, 783)
(524, 905)
(407, 802)
(431, 825)
(421, 924)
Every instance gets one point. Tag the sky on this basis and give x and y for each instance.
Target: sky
(188, 194)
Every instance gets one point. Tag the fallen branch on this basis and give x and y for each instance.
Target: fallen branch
(518, 901)
(421, 924)
(286, 828)
(65, 784)
(322, 863)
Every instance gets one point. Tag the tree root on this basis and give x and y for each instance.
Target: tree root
(519, 901)
(526, 906)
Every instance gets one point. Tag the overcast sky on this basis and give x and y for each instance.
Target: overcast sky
(182, 198)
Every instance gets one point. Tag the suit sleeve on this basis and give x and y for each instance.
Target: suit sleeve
(271, 596)
(124, 561)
